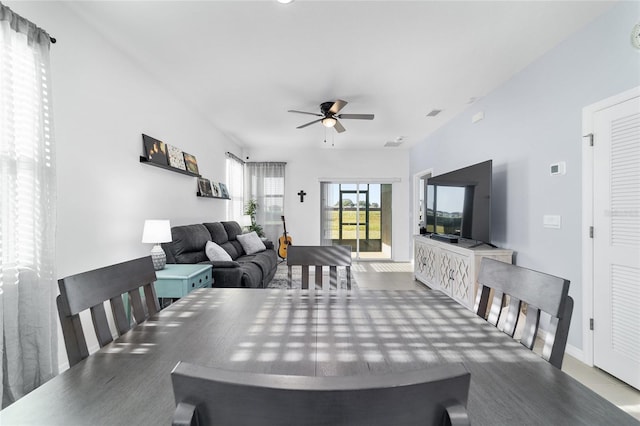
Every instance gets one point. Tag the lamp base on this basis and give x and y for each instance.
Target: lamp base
(158, 257)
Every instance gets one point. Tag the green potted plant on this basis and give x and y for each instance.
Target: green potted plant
(250, 209)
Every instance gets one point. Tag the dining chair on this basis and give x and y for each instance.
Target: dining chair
(210, 396)
(503, 283)
(89, 290)
(319, 257)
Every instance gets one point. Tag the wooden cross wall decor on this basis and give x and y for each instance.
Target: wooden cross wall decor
(302, 194)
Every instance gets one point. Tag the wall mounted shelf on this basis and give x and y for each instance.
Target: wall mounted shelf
(144, 160)
(211, 196)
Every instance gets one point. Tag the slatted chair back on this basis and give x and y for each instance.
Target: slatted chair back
(89, 290)
(319, 257)
(211, 396)
(540, 292)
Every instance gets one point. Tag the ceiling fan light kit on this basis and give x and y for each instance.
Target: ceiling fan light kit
(329, 121)
(329, 115)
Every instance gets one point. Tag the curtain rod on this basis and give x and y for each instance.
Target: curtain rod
(20, 17)
(235, 157)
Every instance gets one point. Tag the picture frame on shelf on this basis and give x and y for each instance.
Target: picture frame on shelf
(204, 187)
(224, 192)
(215, 187)
(191, 163)
(155, 151)
(176, 157)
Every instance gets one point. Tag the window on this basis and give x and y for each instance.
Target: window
(27, 209)
(264, 183)
(235, 177)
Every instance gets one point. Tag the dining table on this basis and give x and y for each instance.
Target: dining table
(311, 333)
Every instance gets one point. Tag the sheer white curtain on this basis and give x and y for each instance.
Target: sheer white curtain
(27, 209)
(264, 182)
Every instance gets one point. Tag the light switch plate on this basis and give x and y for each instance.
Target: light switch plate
(552, 221)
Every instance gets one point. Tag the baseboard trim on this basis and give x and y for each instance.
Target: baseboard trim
(575, 352)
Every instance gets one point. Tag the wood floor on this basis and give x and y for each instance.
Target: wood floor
(399, 276)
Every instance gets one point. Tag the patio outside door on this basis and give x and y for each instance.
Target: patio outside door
(358, 215)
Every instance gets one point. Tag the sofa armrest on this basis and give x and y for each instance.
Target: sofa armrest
(224, 264)
(268, 244)
(168, 250)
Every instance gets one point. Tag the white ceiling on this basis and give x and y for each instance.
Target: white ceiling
(243, 64)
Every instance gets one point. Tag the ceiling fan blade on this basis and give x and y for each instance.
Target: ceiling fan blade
(356, 116)
(337, 106)
(339, 128)
(304, 112)
(310, 123)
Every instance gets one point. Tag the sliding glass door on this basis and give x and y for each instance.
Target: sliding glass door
(358, 215)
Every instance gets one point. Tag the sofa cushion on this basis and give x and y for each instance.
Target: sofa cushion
(230, 247)
(237, 247)
(251, 243)
(233, 229)
(188, 242)
(218, 233)
(215, 252)
(219, 236)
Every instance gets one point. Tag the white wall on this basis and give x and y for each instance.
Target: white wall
(530, 122)
(306, 166)
(102, 103)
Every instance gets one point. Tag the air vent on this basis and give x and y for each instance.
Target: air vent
(395, 143)
(434, 112)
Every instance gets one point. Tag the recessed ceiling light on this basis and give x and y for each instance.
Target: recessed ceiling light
(285, 1)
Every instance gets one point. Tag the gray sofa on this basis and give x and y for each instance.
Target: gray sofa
(253, 271)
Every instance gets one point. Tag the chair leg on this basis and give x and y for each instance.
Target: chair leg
(455, 415)
(185, 415)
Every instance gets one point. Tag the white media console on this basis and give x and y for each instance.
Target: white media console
(453, 267)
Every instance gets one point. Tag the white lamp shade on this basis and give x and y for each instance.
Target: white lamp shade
(245, 220)
(156, 231)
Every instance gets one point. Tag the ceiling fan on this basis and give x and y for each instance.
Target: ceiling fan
(329, 113)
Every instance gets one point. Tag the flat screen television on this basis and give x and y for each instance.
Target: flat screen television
(458, 203)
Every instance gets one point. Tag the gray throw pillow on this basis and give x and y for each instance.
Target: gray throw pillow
(215, 252)
(251, 243)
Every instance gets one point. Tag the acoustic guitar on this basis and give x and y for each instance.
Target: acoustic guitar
(284, 241)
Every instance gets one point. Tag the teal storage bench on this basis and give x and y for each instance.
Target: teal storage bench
(178, 280)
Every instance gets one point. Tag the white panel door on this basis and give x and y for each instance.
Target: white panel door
(616, 249)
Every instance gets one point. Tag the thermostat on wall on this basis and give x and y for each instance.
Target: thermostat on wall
(558, 168)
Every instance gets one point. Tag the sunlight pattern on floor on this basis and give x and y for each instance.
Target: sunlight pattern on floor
(391, 267)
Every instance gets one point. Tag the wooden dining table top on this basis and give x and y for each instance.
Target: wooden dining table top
(312, 333)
